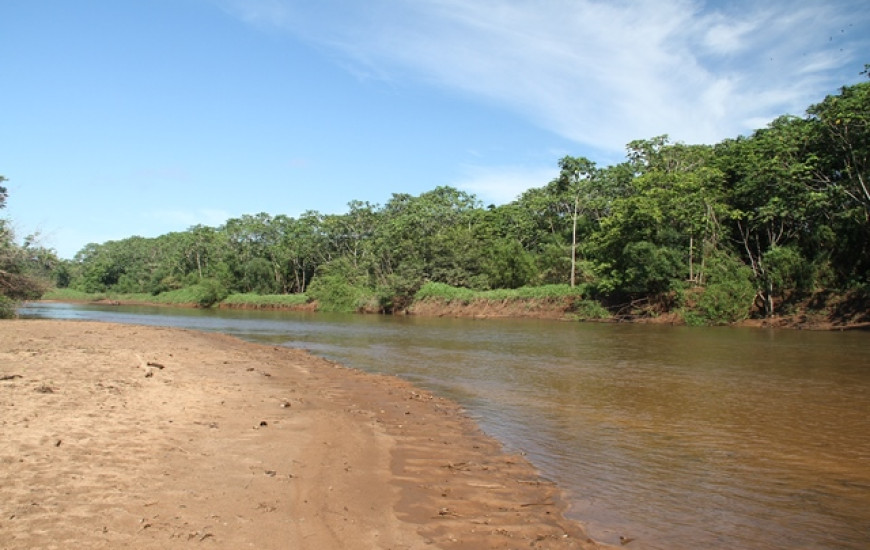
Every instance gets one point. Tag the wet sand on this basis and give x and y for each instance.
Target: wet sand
(142, 437)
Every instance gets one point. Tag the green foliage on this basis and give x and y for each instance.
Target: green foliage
(339, 287)
(333, 293)
(208, 292)
(590, 310)
(649, 269)
(24, 269)
(727, 297)
(508, 265)
(445, 293)
(449, 294)
(7, 308)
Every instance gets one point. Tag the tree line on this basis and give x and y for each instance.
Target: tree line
(721, 231)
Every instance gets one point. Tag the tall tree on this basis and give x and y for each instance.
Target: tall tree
(575, 176)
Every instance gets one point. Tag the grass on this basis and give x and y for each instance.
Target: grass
(447, 293)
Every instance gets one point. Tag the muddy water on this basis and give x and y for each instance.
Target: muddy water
(674, 437)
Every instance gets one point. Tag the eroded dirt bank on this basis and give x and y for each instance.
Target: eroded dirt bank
(141, 437)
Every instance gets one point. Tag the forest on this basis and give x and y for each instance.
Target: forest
(719, 233)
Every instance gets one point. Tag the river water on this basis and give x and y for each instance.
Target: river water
(676, 437)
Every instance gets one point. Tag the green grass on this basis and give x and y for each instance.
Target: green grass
(447, 293)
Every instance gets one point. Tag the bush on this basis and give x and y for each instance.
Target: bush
(590, 310)
(7, 308)
(209, 292)
(727, 298)
(334, 293)
(204, 294)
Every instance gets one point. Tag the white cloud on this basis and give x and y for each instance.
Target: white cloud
(599, 73)
(503, 184)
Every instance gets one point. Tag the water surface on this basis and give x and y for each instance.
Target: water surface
(677, 437)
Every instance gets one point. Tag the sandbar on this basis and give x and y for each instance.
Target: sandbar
(122, 436)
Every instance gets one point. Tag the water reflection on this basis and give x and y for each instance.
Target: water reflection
(678, 437)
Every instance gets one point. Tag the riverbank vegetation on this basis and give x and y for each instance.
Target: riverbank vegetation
(762, 225)
(25, 270)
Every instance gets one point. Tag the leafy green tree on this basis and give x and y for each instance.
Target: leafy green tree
(17, 266)
(574, 183)
(429, 238)
(776, 204)
(251, 245)
(841, 142)
(727, 295)
(304, 246)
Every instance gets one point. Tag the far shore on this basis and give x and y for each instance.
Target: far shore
(859, 319)
(148, 437)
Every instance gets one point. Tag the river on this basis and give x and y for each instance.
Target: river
(675, 437)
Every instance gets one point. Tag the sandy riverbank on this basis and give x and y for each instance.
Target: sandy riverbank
(140, 437)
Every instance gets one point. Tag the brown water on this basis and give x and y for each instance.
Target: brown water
(676, 437)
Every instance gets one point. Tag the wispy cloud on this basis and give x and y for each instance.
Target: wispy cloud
(598, 73)
(502, 184)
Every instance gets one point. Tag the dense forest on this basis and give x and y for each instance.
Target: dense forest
(718, 232)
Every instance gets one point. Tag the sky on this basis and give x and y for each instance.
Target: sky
(143, 117)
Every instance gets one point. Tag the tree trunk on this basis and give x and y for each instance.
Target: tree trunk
(574, 243)
(691, 264)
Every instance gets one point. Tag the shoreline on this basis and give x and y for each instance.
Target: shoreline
(550, 312)
(154, 437)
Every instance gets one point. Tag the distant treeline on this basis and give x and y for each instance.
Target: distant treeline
(720, 231)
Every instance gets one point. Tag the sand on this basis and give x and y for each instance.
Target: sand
(116, 436)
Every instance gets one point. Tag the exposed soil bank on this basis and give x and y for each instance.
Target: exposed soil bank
(822, 311)
(817, 313)
(144, 437)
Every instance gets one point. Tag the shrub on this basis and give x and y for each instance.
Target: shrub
(590, 310)
(209, 292)
(727, 298)
(334, 293)
(7, 308)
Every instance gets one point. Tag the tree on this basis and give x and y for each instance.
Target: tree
(771, 175)
(841, 143)
(15, 282)
(575, 178)
(844, 140)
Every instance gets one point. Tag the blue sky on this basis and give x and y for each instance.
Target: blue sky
(123, 117)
